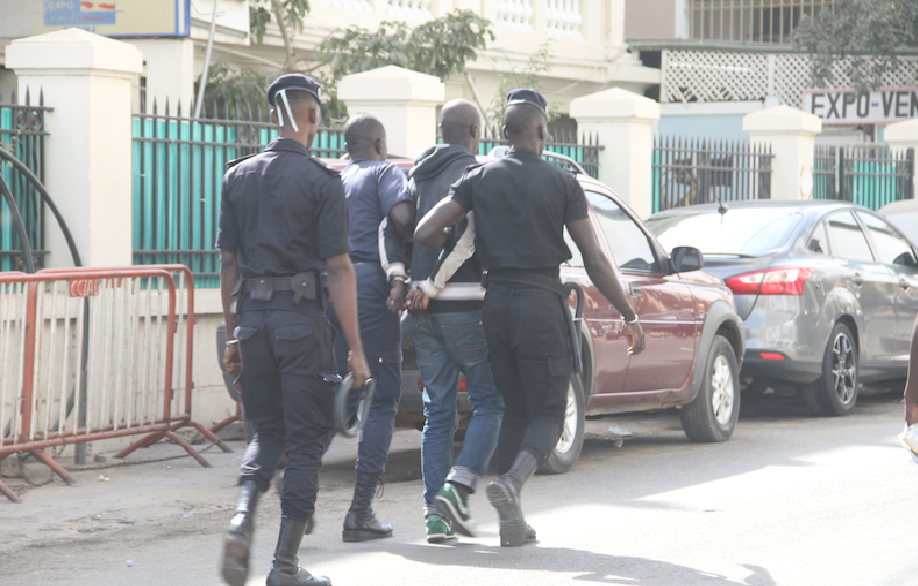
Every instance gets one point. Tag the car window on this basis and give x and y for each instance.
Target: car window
(818, 242)
(629, 245)
(891, 248)
(846, 239)
(737, 231)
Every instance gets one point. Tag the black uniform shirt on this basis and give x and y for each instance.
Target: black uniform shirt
(520, 204)
(282, 212)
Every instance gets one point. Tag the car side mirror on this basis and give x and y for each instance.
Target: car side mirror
(905, 259)
(686, 259)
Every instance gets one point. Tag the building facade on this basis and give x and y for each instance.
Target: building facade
(722, 59)
(586, 37)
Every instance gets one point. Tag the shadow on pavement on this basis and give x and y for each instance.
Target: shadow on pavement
(586, 566)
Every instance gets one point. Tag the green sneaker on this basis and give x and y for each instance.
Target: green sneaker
(438, 529)
(455, 509)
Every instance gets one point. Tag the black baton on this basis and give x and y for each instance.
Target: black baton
(352, 425)
(576, 349)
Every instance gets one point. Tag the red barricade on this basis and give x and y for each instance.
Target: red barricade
(88, 354)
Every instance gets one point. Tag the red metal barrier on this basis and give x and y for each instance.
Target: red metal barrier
(55, 321)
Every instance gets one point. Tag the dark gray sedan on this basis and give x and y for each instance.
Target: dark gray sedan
(828, 291)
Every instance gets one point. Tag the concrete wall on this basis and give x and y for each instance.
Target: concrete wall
(654, 19)
(715, 121)
(7, 84)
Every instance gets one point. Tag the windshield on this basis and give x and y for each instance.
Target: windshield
(738, 231)
(907, 222)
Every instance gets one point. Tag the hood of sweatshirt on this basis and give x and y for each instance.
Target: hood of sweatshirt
(437, 158)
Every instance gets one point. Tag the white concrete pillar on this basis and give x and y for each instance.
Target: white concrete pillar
(623, 122)
(405, 102)
(168, 66)
(902, 136)
(617, 23)
(87, 80)
(791, 134)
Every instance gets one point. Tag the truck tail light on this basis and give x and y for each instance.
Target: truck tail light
(461, 387)
(772, 281)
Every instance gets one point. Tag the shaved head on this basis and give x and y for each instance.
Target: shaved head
(523, 120)
(459, 121)
(362, 134)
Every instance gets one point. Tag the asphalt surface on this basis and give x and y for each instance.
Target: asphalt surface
(790, 500)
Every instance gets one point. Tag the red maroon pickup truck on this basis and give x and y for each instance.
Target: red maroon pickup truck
(695, 340)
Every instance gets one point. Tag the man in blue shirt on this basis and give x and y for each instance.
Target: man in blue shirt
(376, 192)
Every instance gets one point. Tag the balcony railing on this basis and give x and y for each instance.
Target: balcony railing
(514, 15)
(409, 9)
(351, 4)
(563, 18)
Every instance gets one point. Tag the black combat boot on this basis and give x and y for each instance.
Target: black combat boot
(237, 545)
(530, 536)
(286, 570)
(361, 523)
(279, 484)
(504, 495)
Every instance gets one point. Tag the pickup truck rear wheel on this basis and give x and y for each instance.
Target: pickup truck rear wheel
(712, 416)
(568, 448)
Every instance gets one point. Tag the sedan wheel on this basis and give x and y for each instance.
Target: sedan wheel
(835, 393)
(712, 415)
(568, 448)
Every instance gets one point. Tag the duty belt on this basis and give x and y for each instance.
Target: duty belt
(545, 283)
(306, 286)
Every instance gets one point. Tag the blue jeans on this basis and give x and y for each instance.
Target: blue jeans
(447, 344)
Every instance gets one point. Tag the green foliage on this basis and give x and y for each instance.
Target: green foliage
(873, 34)
(527, 77)
(439, 47)
(291, 12)
(234, 92)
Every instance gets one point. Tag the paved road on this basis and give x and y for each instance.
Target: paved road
(790, 500)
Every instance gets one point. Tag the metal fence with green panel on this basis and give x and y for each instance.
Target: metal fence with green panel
(22, 135)
(689, 170)
(585, 152)
(868, 174)
(178, 169)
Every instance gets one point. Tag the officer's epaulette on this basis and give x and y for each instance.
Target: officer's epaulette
(321, 165)
(234, 162)
(475, 166)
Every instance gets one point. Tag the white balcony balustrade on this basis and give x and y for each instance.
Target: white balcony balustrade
(563, 19)
(351, 4)
(514, 15)
(409, 9)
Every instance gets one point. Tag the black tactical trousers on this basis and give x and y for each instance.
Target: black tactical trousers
(284, 349)
(529, 349)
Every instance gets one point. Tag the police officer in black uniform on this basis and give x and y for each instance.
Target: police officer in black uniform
(522, 205)
(284, 221)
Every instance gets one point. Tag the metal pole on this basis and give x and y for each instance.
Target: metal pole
(210, 46)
